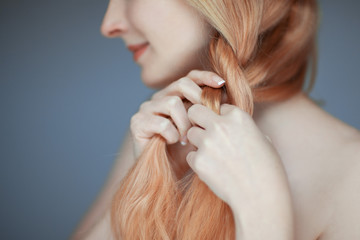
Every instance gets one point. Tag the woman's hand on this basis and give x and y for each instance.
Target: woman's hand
(240, 165)
(165, 114)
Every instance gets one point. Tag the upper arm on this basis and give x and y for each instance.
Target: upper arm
(122, 164)
(345, 220)
(102, 229)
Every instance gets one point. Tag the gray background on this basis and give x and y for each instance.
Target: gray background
(67, 94)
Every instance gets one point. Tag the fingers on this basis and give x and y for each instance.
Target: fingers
(183, 88)
(226, 108)
(202, 116)
(207, 78)
(171, 106)
(198, 164)
(190, 158)
(166, 113)
(189, 86)
(154, 125)
(165, 128)
(195, 136)
(234, 112)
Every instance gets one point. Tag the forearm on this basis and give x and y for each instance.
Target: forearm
(259, 229)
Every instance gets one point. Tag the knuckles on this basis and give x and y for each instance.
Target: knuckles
(164, 125)
(144, 105)
(168, 102)
(193, 72)
(135, 119)
(174, 101)
(207, 143)
(237, 114)
(182, 82)
(193, 110)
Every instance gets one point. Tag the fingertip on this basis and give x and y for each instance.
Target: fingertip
(183, 140)
(170, 140)
(224, 108)
(225, 105)
(196, 105)
(171, 135)
(218, 81)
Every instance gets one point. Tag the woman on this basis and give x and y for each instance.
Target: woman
(279, 166)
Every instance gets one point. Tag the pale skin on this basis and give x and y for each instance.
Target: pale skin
(302, 184)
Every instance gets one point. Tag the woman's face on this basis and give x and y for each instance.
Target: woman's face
(174, 33)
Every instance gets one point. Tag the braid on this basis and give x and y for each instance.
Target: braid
(195, 219)
(225, 63)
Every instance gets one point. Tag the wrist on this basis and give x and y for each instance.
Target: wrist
(264, 219)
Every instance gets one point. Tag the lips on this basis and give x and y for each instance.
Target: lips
(138, 50)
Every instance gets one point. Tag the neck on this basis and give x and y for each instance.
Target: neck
(274, 117)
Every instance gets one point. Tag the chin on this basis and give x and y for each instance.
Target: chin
(156, 79)
(157, 82)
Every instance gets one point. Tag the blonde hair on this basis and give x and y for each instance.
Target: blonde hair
(263, 49)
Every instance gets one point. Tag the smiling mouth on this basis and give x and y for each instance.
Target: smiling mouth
(138, 50)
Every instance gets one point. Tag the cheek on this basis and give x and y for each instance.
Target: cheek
(177, 41)
(139, 14)
(166, 62)
(165, 66)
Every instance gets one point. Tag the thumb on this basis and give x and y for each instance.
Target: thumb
(190, 158)
(226, 108)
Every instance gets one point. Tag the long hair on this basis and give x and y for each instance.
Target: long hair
(263, 49)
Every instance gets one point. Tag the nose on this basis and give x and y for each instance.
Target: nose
(114, 23)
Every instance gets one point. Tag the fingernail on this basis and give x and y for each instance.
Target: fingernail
(218, 80)
(183, 141)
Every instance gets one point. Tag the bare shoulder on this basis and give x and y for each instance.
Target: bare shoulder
(323, 163)
(344, 221)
